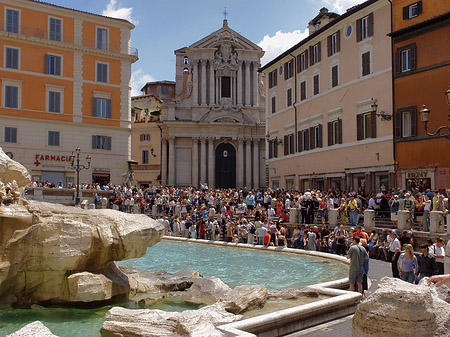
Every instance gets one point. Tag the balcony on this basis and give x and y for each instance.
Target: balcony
(69, 39)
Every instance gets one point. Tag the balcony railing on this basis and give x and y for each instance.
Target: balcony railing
(43, 34)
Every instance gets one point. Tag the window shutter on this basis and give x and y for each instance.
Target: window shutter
(275, 75)
(303, 90)
(291, 143)
(108, 143)
(286, 145)
(306, 139)
(14, 134)
(398, 123)
(413, 59)
(58, 66)
(57, 96)
(108, 109)
(312, 138)
(319, 143)
(406, 13)
(338, 41)
(413, 121)
(329, 45)
(358, 30)
(373, 124)
(334, 79)
(15, 97)
(47, 64)
(286, 75)
(319, 56)
(340, 131)
(275, 147)
(94, 141)
(366, 63)
(370, 24)
(359, 127)
(419, 7)
(330, 133)
(94, 106)
(270, 149)
(398, 61)
(306, 59)
(298, 63)
(311, 60)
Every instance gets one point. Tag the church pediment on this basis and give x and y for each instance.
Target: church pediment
(226, 35)
(227, 114)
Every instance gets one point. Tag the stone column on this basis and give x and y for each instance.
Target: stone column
(247, 83)
(164, 162)
(437, 222)
(369, 218)
(217, 89)
(333, 217)
(171, 160)
(203, 160)
(248, 162)
(203, 102)
(211, 168)
(239, 84)
(211, 83)
(195, 162)
(240, 163)
(403, 217)
(195, 82)
(255, 84)
(256, 163)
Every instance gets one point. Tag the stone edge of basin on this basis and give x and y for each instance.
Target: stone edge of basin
(288, 320)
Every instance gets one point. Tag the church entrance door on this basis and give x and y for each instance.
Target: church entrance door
(225, 166)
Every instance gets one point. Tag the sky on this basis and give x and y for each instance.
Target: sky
(165, 26)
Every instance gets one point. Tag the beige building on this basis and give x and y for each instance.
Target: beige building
(322, 127)
(213, 131)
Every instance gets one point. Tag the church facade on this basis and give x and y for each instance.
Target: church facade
(213, 131)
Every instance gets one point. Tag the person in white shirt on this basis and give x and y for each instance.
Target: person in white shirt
(438, 251)
(394, 253)
(260, 232)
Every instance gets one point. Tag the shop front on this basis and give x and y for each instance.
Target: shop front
(419, 179)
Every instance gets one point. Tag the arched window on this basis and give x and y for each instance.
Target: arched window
(186, 60)
(186, 70)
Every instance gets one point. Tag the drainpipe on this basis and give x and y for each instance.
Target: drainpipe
(295, 101)
(394, 152)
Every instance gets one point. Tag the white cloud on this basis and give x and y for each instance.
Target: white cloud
(114, 11)
(339, 6)
(280, 42)
(138, 80)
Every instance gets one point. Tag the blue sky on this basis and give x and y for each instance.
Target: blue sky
(164, 26)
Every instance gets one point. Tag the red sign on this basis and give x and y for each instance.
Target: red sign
(46, 157)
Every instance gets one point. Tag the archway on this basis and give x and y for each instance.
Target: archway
(225, 166)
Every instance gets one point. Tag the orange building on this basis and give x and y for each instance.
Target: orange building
(421, 72)
(64, 84)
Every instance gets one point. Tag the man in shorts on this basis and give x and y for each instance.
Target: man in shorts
(357, 254)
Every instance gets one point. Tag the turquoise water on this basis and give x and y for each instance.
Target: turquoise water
(232, 265)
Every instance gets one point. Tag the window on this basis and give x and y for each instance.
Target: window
(12, 21)
(53, 64)
(289, 97)
(272, 79)
(102, 72)
(412, 10)
(274, 104)
(165, 90)
(303, 140)
(54, 101)
(335, 132)
(288, 69)
(289, 144)
(226, 86)
(144, 137)
(303, 90)
(10, 135)
(11, 97)
(144, 156)
(101, 107)
(314, 52)
(334, 43)
(334, 76)
(102, 38)
(364, 27)
(54, 31)
(348, 31)
(405, 122)
(273, 148)
(316, 84)
(315, 137)
(186, 71)
(365, 58)
(302, 61)
(53, 138)
(101, 142)
(11, 58)
(185, 60)
(405, 59)
(366, 125)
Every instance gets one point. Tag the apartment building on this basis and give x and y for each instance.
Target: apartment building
(65, 83)
(421, 46)
(329, 104)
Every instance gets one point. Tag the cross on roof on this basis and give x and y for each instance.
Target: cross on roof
(225, 13)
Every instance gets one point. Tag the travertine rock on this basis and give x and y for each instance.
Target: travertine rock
(35, 329)
(149, 323)
(11, 170)
(88, 287)
(293, 293)
(398, 308)
(243, 298)
(211, 287)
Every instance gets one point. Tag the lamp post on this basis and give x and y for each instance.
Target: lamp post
(75, 165)
(384, 115)
(442, 131)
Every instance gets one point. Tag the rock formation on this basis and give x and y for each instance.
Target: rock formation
(11, 170)
(35, 329)
(398, 308)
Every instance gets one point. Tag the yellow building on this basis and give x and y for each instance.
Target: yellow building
(64, 84)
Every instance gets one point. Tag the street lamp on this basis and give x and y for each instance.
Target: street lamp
(442, 131)
(77, 167)
(384, 115)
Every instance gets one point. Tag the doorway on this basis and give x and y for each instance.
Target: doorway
(225, 166)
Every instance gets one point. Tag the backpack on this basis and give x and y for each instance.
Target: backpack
(252, 229)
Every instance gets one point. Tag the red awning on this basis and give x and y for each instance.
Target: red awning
(106, 175)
